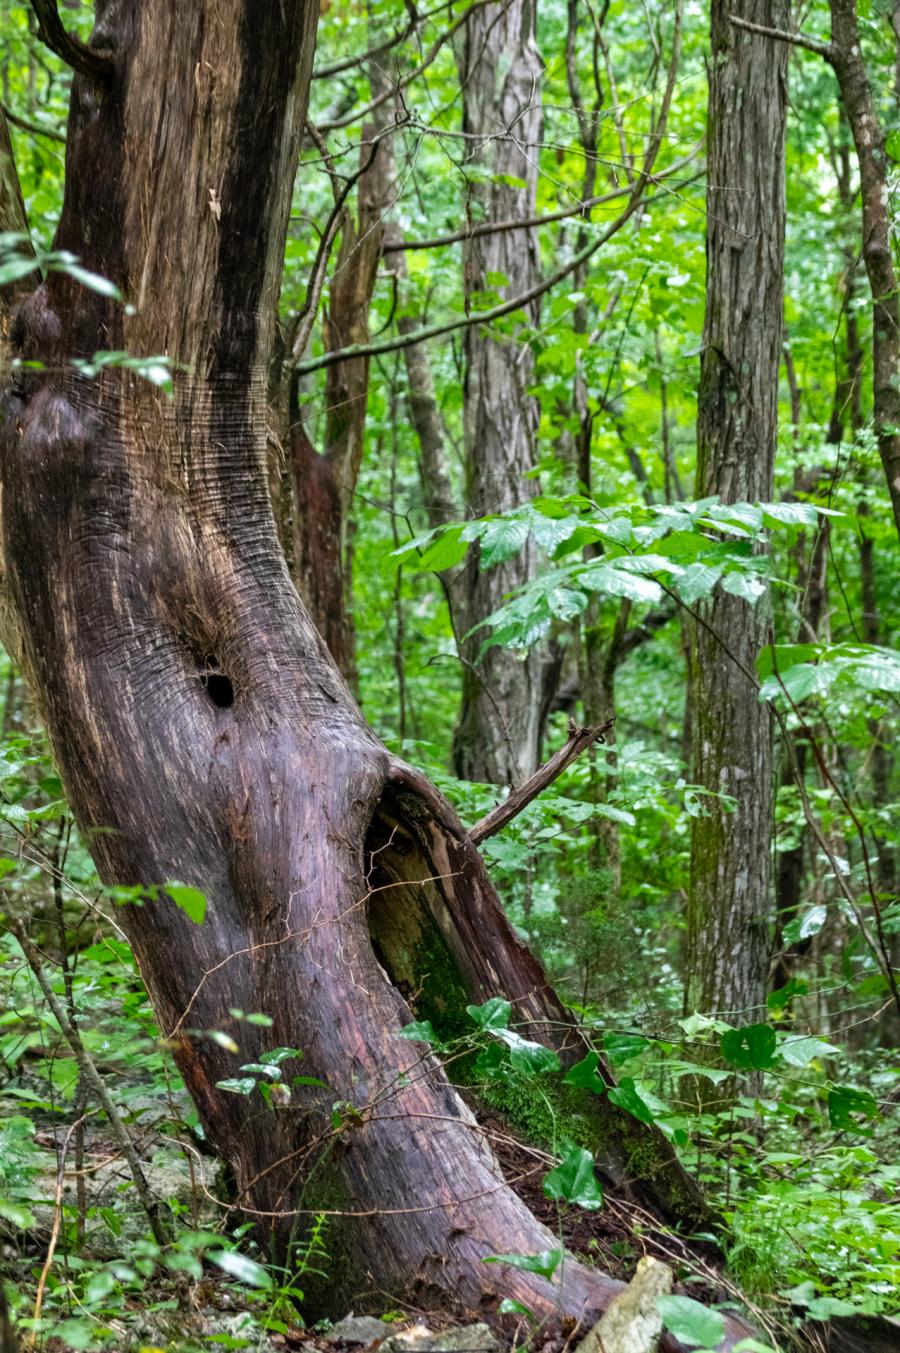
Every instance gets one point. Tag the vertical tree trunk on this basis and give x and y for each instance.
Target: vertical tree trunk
(203, 731)
(846, 57)
(499, 733)
(323, 481)
(728, 912)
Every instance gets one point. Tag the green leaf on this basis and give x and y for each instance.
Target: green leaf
(16, 1213)
(509, 1306)
(420, 1031)
(780, 999)
(75, 1332)
(493, 1015)
(238, 1266)
(800, 1051)
(533, 1059)
(574, 1181)
(584, 1076)
(501, 538)
(695, 1325)
(242, 1085)
(750, 1048)
(844, 1101)
(189, 900)
(545, 1263)
(749, 586)
(621, 1047)
(626, 1097)
(445, 551)
(616, 582)
(810, 923)
(91, 280)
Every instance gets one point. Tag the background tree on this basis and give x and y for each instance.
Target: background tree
(728, 910)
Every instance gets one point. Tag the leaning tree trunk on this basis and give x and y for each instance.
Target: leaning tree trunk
(728, 910)
(499, 734)
(203, 731)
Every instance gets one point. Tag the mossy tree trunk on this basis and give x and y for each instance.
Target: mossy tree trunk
(202, 729)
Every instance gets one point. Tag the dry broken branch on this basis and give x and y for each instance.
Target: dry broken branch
(579, 740)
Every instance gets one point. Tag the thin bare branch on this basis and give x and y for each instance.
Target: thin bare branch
(579, 740)
(497, 311)
(528, 222)
(782, 35)
(33, 128)
(161, 1228)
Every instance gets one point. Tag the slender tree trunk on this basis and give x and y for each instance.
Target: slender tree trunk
(202, 729)
(728, 911)
(499, 733)
(323, 481)
(869, 138)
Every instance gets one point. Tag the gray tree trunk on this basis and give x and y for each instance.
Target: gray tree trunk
(499, 732)
(727, 955)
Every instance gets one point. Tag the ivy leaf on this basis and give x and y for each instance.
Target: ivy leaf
(545, 1263)
(750, 1048)
(626, 1097)
(621, 1048)
(420, 1031)
(583, 1075)
(533, 1059)
(189, 900)
(574, 1181)
(493, 1015)
(695, 1325)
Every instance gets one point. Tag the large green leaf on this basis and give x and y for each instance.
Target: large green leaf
(751, 1048)
(695, 1325)
(574, 1181)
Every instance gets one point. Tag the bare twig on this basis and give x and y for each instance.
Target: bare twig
(306, 317)
(159, 1225)
(87, 61)
(31, 1338)
(528, 222)
(579, 740)
(496, 312)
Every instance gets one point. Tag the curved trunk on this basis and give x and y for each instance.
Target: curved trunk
(202, 729)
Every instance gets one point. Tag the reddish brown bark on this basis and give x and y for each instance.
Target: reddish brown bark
(201, 727)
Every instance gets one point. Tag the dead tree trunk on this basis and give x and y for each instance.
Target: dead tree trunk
(499, 733)
(728, 911)
(202, 729)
